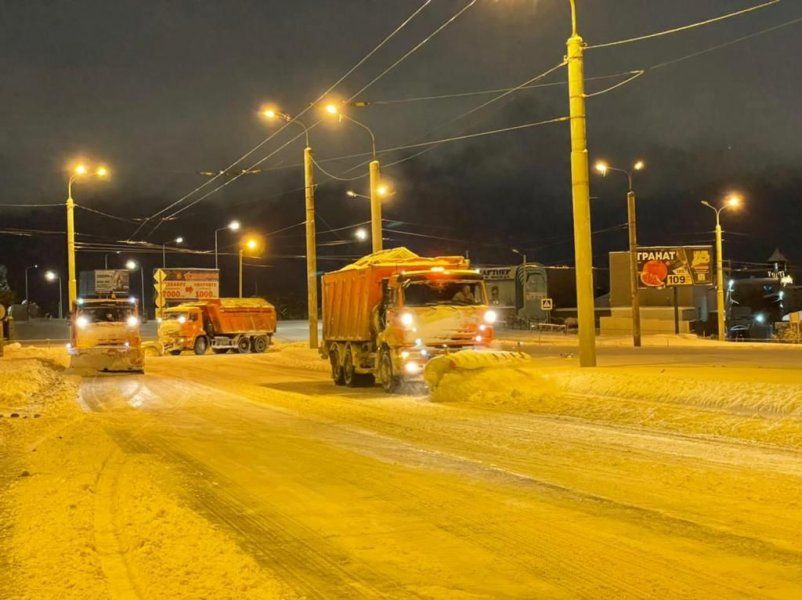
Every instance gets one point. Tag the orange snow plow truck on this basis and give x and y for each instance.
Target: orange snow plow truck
(389, 314)
(104, 335)
(223, 324)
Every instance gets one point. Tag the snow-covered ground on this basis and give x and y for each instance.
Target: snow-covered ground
(673, 471)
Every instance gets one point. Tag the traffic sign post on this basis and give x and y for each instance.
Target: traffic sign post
(546, 305)
(158, 284)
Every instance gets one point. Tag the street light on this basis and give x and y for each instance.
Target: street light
(78, 171)
(232, 226)
(361, 234)
(53, 276)
(384, 191)
(604, 168)
(271, 114)
(733, 201)
(178, 240)
(250, 244)
(333, 109)
(27, 298)
(132, 265)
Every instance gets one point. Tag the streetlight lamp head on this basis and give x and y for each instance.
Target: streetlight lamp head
(332, 109)
(602, 167)
(351, 194)
(179, 240)
(361, 234)
(639, 165)
(733, 201)
(383, 189)
(234, 225)
(102, 172)
(80, 169)
(50, 276)
(131, 265)
(269, 113)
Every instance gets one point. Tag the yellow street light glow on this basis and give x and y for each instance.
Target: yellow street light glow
(332, 109)
(269, 113)
(734, 201)
(602, 167)
(251, 244)
(382, 189)
(640, 165)
(102, 171)
(80, 169)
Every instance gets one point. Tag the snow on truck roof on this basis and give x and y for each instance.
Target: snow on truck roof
(226, 303)
(399, 256)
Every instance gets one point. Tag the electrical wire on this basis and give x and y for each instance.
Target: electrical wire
(425, 41)
(30, 205)
(107, 215)
(683, 27)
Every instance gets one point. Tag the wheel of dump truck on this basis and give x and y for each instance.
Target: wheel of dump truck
(390, 382)
(201, 345)
(336, 365)
(244, 345)
(259, 343)
(350, 377)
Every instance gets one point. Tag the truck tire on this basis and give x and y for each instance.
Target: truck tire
(201, 345)
(244, 345)
(350, 376)
(391, 383)
(260, 344)
(336, 365)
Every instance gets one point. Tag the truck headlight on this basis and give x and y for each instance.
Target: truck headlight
(407, 319)
(412, 367)
(182, 319)
(82, 322)
(132, 322)
(490, 317)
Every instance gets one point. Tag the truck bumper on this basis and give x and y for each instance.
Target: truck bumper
(107, 358)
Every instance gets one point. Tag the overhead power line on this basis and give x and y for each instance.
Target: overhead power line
(684, 27)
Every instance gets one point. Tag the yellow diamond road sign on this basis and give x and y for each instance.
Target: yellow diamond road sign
(159, 275)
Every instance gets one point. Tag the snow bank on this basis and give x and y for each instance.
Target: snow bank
(763, 405)
(297, 355)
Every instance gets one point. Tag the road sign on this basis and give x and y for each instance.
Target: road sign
(672, 266)
(546, 303)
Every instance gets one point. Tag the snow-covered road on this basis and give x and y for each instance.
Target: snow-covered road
(335, 492)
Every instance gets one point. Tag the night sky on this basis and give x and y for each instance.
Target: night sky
(162, 90)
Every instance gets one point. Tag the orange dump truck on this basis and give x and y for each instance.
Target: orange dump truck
(222, 324)
(388, 314)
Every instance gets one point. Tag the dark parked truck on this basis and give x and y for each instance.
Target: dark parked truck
(223, 324)
(389, 313)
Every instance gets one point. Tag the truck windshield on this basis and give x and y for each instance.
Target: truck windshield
(432, 293)
(106, 314)
(176, 316)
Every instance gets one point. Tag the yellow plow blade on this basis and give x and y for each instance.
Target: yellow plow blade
(469, 360)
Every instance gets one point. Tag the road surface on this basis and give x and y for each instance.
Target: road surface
(351, 493)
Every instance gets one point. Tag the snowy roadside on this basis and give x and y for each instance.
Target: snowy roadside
(751, 404)
(81, 519)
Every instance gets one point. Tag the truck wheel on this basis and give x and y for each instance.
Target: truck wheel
(336, 367)
(390, 382)
(260, 343)
(201, 345)
(243, 345)
(350, 376)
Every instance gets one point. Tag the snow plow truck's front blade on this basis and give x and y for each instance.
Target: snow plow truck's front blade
(469, 360)
(88, 362)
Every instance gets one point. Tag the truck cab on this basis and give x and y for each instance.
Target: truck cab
(427, 313)
(105, 335)
(180, 327)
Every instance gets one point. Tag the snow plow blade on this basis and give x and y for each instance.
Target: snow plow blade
(469, 360)
(91, 361)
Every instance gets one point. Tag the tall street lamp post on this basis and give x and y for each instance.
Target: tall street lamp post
(733, 201)
(27, 297)
(233, 226)
(604, 168)
(309, 202)
(178, 240)
(79, 171)
(53, 276)
(132, 265)
(375, 179)
(580, 185)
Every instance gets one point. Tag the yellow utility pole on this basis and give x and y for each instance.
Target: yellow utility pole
(311, 251)
(580, 186)
(240, 272)
(72, 284)
(375, 206)
(722, 327)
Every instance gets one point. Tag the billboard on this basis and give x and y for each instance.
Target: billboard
(185, 285)
(104, 282)
(670, 266)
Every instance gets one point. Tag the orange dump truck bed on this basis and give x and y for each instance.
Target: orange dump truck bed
(240, 315)
(350, 294)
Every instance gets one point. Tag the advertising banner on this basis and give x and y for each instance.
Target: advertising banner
(185, 285)
(111, 281)
(670, 266)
